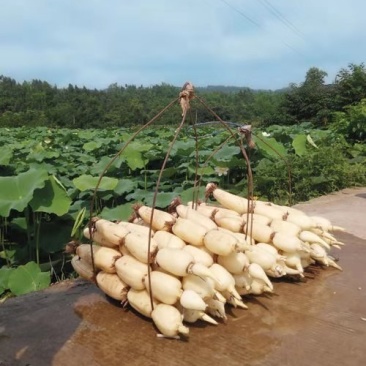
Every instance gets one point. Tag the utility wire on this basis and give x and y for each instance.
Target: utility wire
(282, 18)
(241, 13)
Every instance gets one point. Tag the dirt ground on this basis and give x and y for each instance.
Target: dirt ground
(320, 321)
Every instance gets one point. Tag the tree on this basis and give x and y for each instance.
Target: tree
(350, 85)
(311, 101)
(10, 95)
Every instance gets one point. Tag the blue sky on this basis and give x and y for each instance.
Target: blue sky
(263, 44)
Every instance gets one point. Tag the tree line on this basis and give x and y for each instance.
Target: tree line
(37, 103)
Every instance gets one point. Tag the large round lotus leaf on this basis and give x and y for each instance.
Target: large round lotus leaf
(104, 161)
(299, 144)
(133, 157)
(16, 192)
(52, 198)
(86, 182)
(92, 145)
(163, 199)
(183, 148)
(5, 155)
(28, 278)
(270, 147)
(125, 186)
(121, 212)
(226, 153)
(192, 193)
(4, 277)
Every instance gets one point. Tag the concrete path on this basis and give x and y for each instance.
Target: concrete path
(345, 208)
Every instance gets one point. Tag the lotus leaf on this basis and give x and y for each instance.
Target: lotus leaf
(163, 199)
(28, 278)
(4, 278)
(5, 155)
(189, 194)
(299, 144)
(86, 182)
(226, 153)
(52, 198)
(92, 145)
(124, 186)
(133, 158)
(270, 147)
(17, 192)
(122, 212)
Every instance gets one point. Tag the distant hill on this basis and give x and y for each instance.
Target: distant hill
(221, 88)
(233, 89)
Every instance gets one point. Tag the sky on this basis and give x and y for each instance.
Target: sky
(260, 44)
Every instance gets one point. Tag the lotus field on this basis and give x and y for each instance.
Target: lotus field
(48, 178)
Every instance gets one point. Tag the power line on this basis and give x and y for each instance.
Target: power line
(284, 18)
(259, 26)
(242, 14)
(281, 18)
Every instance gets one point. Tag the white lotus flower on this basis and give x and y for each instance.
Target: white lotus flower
(221, 170)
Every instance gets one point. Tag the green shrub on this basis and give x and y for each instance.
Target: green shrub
(351, 123)
(318, 172)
